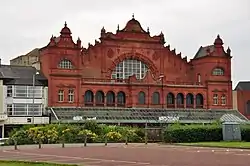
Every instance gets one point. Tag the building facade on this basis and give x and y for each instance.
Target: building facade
(241, 98)
(131, 68)
(23, 96)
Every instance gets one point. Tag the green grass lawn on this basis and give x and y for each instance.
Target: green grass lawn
(20, 163)
(220, 144)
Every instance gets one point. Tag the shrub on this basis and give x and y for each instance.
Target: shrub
(245, 133)
(192, 133)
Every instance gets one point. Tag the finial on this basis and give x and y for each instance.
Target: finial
(65, 24)
(78, 39)
(228, 50)
(133, 16)
(148, 29)
(118, 27)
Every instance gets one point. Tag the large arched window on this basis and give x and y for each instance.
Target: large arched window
(199, 101)
(218, 72)
(88, 98)
(156, 98)
(180, 100)
(170, 100)
(130, 67)
(190, 100)
(99, 98)
(110, 98)
(141, 98)
(121, 99)
(65, 64)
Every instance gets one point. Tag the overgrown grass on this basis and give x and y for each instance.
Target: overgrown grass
(223, 144)
(25, 163)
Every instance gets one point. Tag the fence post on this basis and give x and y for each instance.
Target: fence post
(85, 140)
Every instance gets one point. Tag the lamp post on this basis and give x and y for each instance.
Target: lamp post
(162, 95)
(33, 96)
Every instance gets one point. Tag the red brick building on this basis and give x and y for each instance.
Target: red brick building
(131, 68)
(241, 96)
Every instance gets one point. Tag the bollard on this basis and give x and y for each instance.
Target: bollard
(126, 140)
(39, 145)
(63, 144)
(106, 141)
(85, 141)
(15, 144)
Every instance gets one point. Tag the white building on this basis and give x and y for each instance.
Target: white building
(23, 97)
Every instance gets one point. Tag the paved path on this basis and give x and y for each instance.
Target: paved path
(131, 155)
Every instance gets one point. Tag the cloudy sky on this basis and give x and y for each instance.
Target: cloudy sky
(187, 24)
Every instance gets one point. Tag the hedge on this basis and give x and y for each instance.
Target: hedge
(70, 133)
(178, 133)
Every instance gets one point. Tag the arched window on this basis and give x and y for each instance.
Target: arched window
(218, 72)
(170, 100)
(156, 98)
(189, 100)
(199, 101)
(65, 64)
(110, 98)
(130, 67)
(99, 98)
(215, 99)
(248, 107)
(121, 99)
(180, 100)
(223, 100)
(141, 98)
(88, 98)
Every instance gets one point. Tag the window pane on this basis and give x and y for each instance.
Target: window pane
(128, 68)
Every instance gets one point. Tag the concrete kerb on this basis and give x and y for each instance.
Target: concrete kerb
(73, 145)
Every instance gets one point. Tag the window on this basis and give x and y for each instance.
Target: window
(9, 91)
(199, 100)
(60, 95)
(223, 100)
(65, 64)
(99, 98)
(170, 99)
(218, 72)
(27, 91)
(215, 99)
(21, 91)
(121, 98)
(128, 68)
(71, 96)
(199, 78)
(141, 98)
(88, 98)
(156, 98)
(180, 100)
(20, 109)
(9, 109)
(110, 98)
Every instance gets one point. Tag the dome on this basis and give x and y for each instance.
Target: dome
(65, 30)
(133, 26)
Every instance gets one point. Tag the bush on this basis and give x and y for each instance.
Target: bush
(71, 133)
(192, 133)
(245, 133)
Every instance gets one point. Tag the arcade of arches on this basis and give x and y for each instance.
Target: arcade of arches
(171, 101)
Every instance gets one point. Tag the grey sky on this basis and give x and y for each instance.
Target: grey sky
(186, 24)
